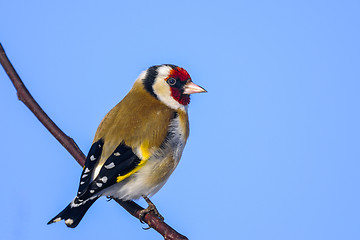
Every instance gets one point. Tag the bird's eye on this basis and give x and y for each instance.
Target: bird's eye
(171, 81)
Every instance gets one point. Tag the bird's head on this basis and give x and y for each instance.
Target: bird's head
(170, 84)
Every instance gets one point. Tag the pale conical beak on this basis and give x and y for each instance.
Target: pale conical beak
(191, 88)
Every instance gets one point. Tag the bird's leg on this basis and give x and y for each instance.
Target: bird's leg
(150, 208)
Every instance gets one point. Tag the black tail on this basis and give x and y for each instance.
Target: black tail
(73, 214)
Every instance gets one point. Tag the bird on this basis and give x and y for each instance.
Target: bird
(138, 144)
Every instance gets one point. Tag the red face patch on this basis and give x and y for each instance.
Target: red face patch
(180, 73)
(180, 98)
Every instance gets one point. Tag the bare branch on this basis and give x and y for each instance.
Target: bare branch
(24, 95)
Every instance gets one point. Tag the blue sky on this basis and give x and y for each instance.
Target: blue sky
(274, 147)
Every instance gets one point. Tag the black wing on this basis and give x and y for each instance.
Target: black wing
(90, 162)
(121, 162)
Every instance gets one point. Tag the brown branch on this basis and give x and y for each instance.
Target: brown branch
(24, 95)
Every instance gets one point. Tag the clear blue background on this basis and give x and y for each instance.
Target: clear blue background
(274, 147)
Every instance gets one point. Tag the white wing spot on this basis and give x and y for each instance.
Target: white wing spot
(81, 183)
(117, 154)
(86, 170)
(57, 219)
(110, 166)
(99, 184)
(84, 175)
(92, 191)
(69, 221)
(104, 179)
(92, 158)
(99, 145)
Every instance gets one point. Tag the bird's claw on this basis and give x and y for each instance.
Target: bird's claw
(150, 208)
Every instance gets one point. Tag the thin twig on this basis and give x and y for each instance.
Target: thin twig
(24, 95)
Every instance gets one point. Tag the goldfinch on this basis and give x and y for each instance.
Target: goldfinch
(139, 142)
